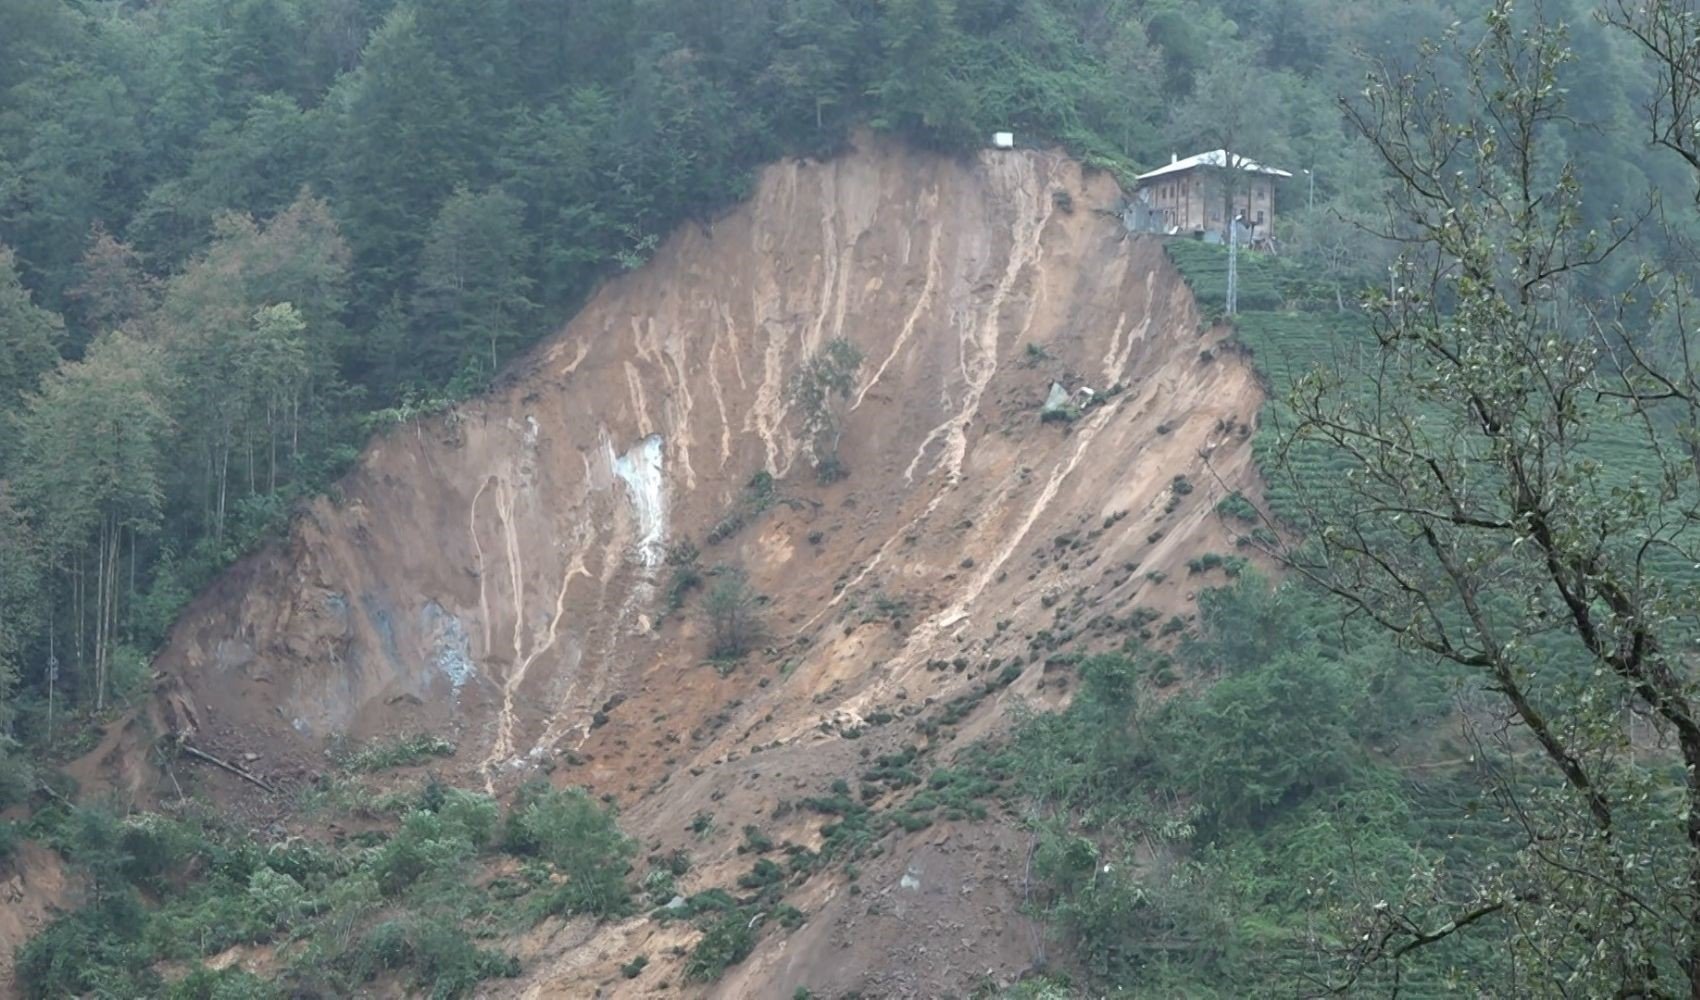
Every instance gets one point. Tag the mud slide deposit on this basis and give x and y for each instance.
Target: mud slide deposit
(499, 574)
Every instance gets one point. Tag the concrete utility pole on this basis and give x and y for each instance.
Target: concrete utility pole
(1233, 304)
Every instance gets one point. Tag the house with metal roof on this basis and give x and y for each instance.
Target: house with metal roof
(1200, 194)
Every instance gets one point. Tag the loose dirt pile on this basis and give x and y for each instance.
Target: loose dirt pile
(499, 574)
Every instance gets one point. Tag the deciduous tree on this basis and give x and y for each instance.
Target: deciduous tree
(1516, 495)
(93, 439)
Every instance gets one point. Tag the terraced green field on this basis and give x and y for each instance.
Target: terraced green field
(1290, 330)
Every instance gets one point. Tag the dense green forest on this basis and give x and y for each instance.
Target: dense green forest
(238, 235)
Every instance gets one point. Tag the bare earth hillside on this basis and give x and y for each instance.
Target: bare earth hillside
(499, 574)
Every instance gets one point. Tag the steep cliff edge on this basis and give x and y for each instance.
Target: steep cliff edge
(499, 574)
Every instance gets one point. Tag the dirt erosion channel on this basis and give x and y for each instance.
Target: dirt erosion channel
(500, 574)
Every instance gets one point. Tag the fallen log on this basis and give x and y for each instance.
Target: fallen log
(240, 772)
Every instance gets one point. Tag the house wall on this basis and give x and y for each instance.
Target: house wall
(1194, 201)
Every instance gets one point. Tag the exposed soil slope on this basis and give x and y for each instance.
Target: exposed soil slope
(498, 574)
(33, 887)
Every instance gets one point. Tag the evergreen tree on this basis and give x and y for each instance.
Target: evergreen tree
(402, 143)
(920, 87)
(812, 78)
(71, 138)
(29, 338)
(551, 156)
(253, 164)
(472, 293)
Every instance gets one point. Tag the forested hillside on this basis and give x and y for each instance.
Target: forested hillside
(338, 212)
(239, 236)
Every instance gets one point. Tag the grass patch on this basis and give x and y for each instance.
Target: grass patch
(399, 751)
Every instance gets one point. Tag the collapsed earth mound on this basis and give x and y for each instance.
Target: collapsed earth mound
(513, 575)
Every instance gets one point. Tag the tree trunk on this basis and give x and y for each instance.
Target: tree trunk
(223, 478)
(52, 667)
(100, 615)
(80, 601)
(207, 491)
(112, 566)
(271, 448)
(106, 607)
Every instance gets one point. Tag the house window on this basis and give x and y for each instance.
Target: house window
(1260, 217)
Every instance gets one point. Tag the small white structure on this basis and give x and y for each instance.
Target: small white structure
(1003, 140)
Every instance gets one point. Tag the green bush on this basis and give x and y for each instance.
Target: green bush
(707, 901)
(401, 751)
(83, 953)
(726, 942)
(445, 962)
(470, 815)
(1236, 506)
(208, 888)
(203, 983)
(1204, 563)
(733, 610)
(276, 900)
(426, 845)
(580, 838)
(762, 876)
(755, 841)
(760, 493)
(1266, 738)
(154, 847)
(659, 886)
(451, 965)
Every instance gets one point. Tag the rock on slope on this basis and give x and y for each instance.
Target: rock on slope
(498, 574)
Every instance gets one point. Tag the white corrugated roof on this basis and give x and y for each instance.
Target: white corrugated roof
(1214, 158)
